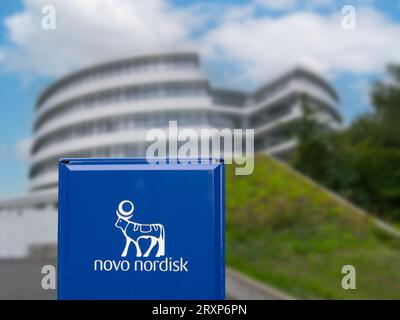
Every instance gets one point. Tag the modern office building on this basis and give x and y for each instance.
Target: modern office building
(105, 111)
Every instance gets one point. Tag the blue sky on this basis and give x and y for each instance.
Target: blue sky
(16, 114)
(242, 43)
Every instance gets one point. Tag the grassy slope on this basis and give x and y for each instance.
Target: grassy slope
(288, 233)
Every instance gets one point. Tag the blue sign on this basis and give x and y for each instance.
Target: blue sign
(133, 230)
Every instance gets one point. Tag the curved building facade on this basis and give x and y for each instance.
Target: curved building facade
(106, 110)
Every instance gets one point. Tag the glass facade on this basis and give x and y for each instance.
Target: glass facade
(130, 66)
(123, 123)
(124, 95)
(262, 109)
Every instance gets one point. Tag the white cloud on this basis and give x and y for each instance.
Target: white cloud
(266, 45)
(91, 31)
(22, 149)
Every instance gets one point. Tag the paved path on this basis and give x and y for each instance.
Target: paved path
(21, 279)
(242, 287)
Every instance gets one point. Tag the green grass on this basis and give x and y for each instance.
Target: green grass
(290, 234)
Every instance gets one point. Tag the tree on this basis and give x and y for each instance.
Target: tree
(376, 138)
(361, 162)
(386, 100)
(313, 152)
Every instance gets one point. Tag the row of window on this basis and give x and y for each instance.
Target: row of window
(316, 81)
(221, 97)
(227, 98)
(124, 123)
(126, 67)
(160, 119)
(272, 113)
(218, 120)
(269, 91)
(139, 150)
(280, 85)
(272, 139)
(132, 150)
(123, 150)
(125, 94)
(152, 91)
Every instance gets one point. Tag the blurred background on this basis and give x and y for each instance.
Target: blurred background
(317, 80)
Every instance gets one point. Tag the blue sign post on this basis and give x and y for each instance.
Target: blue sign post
(133, 230)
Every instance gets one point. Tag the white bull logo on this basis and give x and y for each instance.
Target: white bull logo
(134, 232)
